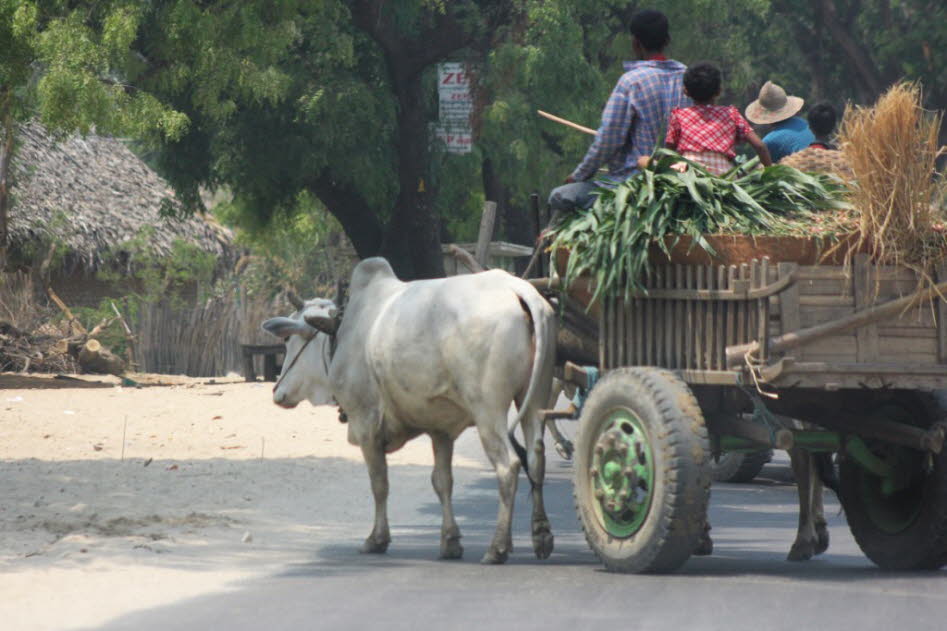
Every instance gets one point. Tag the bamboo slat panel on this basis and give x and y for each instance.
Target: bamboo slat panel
(692, 334)
(202, 339)
(686, 334)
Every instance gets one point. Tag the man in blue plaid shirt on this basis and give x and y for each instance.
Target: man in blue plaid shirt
(635, 116)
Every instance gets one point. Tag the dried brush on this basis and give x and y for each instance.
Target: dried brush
(892, 149)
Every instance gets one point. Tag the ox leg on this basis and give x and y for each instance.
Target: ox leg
(818, 516)
(507, 469)
(374, 454)
(536, 461)
(443, 480)
(804, 548)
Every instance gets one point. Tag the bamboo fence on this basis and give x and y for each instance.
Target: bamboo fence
(203, 340)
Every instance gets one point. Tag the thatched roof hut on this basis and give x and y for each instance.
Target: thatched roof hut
(92, 194)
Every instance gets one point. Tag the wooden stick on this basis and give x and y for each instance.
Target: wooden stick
(535, 258)
(567, 123)
(129, 337)
(487, 219)
(465, 257)
(59, 303)
(104, 324)
(858, 319)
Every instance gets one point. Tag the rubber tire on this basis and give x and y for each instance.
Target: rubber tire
(737, 467)
(920, 546)
(678, 438)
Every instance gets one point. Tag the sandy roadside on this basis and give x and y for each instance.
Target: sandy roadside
(211, 484)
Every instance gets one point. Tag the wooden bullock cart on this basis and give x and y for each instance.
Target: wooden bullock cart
(716, 354)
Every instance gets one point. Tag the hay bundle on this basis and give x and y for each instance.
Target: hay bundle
(892, 150)
(813, 160)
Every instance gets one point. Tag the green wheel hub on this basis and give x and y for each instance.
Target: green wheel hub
(622, 474)
(894, 502)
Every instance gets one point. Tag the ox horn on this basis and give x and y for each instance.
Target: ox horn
(295, 300)
(326, 324)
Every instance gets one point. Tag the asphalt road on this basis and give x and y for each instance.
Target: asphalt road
(745, 584)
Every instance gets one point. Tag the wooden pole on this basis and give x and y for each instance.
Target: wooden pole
(465, 258)
(129, 337)
(486, 232)
(567, 123)
(808, 335)
(73, 321)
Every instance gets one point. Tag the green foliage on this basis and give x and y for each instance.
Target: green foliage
(298, 250)
(62, 62)
(459, 200)
(612, 241)
(279, 92)
(285, 101)
(566, 60)
(112, 335)
(159, 277)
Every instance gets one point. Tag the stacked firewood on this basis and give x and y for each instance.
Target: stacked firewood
(83, 345)
(43, 350)
(67, 347)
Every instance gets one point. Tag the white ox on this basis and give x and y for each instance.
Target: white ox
(431, 357)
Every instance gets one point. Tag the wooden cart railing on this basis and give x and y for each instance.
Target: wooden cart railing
(823, 326)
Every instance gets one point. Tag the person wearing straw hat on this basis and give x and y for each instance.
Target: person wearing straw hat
(789, 133)
(634, 117)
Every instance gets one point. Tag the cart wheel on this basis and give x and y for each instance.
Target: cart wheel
(900, 523)
(642, 475)
(736, 467)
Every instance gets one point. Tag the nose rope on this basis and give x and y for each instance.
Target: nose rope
(293, 363)
(333, 341)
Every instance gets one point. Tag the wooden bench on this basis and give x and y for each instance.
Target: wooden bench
(269, 353)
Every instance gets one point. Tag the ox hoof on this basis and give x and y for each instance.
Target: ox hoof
(801, 551)
(373, 546)
(705, 545)
(822, 534)
(451, 548)
(494, 557)
(543, 541)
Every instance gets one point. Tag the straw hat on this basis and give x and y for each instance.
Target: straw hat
(773, 105)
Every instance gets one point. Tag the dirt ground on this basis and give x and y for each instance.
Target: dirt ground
(116, 498)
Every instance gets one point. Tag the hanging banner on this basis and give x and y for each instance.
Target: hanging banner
(455, 105)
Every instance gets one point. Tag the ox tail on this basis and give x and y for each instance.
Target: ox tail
(825, 469)
(543, 320)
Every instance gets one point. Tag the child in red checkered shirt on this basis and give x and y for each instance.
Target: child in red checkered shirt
(706, 133)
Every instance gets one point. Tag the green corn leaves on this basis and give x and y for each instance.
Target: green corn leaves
(611, 241)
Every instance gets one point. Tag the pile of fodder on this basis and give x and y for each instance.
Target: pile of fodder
(892, 149)
(611, 242)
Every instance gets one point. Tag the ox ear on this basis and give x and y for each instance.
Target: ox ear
(284, 327)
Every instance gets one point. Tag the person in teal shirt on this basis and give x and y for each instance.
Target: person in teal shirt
(788, 133)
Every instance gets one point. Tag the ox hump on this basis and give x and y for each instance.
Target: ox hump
(370, 270)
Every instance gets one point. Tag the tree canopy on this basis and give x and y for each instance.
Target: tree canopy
(64, 63)
(333, 100)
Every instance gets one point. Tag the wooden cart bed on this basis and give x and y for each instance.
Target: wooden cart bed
(692, 313)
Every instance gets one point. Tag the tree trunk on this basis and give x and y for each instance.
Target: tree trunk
(95, 358)
(412, 238)
(516, 223)
(358, 219)
(853, 50)
(6, 163)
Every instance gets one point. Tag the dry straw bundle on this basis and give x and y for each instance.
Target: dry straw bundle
(892, 149)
